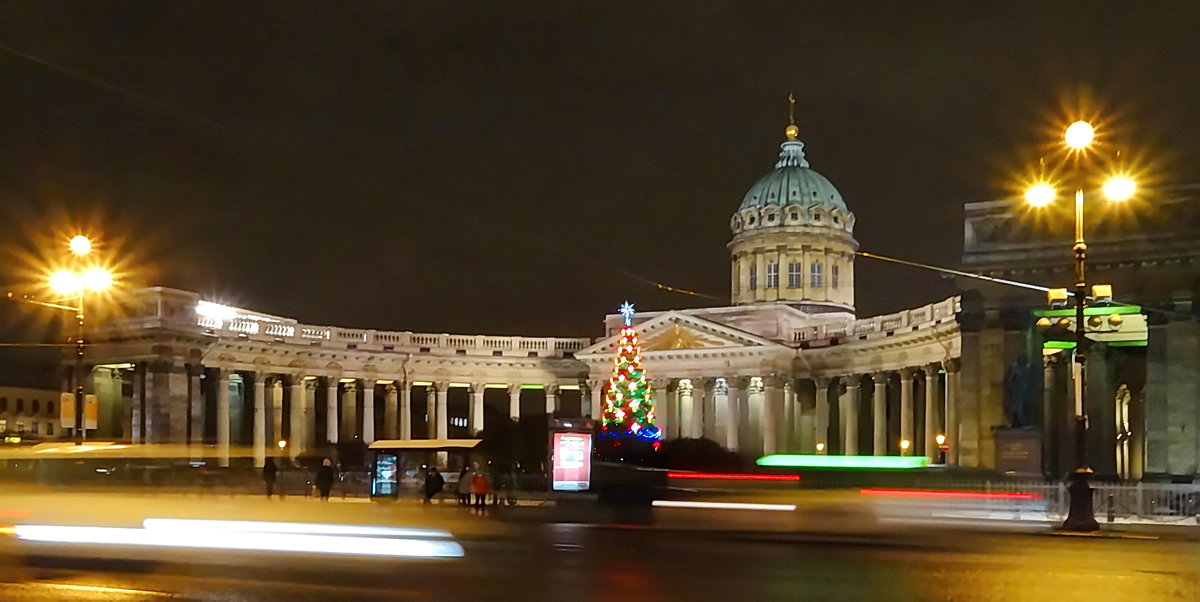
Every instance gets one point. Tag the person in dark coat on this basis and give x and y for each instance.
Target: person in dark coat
(324, 480)
(433, 483)
(269, 471)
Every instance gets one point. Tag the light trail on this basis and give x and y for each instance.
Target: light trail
(932, 494)
(242, 540)
(723, 476)
(724, 506)
(242, 526)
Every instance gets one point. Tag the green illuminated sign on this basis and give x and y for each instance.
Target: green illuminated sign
(1094, 310)
(848, 462)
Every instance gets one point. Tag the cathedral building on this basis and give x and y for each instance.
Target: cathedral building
(787, 366)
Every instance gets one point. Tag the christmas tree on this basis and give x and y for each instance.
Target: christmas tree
(628, 406)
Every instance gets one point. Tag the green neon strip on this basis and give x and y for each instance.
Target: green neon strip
(1127, 344)
(1095, 310)
(1059, 344)
(532, 387)
(853, 462)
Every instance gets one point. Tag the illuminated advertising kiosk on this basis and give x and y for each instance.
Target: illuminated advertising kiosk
(571, 454)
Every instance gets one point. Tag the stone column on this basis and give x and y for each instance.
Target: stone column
(443, 412)
(551, 391)
(698, 391)
(879, 413)
(349, 421)
(514, 402)
(195, 405)
(596, 388)
(298, 420)
(390, 407)
(276, 412)
(166, 411)
(222, 416)
(260, 419)
(952, 426)
(821, 420)
(368, 424)
(849, 409)
(772, 414)
(475, 420)
(661, 393)
(733, 396)
(931, 413)
(906, 410)
(405, 410)
(790, 412)
(137, 409)
(331, 410)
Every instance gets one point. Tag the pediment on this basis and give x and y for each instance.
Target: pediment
(676, 331)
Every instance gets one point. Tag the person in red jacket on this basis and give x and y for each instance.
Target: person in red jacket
(481, 487)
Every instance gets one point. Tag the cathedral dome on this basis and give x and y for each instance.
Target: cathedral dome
(792, 182)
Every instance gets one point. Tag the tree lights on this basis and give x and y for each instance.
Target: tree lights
(628, 406)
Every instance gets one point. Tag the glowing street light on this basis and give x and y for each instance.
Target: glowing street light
(1119, 188)
(81, 245)
(65, 283)
(1040, 195)
(1079, 135)
(96, 279)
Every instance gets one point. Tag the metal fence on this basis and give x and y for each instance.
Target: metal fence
(1165, 502)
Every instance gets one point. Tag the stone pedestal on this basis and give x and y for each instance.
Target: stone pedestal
(1018, 451)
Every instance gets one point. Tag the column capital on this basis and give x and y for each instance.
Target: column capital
(774, 381)
(349, 386)
(551, 389)
(737, 382)
(880, 376)
(665, 384)
(514, 389)
(907, 373)
(932, 368)
(194, 370)
(954, 364)
(390, 388)
(309, 384)
(821, 382)
(439, 386)
(851, 381)
(477, 388)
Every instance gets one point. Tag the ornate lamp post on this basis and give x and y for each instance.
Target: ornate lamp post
(1078, 139)
(73, 284)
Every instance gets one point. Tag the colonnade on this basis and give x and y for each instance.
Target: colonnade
(775, 414)
(174, 403)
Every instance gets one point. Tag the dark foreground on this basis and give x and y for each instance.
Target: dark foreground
(564, 562)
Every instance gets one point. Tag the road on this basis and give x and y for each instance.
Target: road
(597, 562)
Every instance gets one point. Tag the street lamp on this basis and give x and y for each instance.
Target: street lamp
(74, 285)
(1078, 138)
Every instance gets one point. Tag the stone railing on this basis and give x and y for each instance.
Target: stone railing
(885, 325)
(176, 310)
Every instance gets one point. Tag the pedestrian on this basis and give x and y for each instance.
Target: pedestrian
(324, 479)
(464, 486)
(480, 486)
(269, 471)
(433, 483)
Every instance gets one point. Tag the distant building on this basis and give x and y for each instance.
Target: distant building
(29, 412)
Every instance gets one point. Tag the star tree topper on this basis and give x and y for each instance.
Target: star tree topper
(626, 310)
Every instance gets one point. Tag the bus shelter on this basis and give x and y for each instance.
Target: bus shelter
(398, 463)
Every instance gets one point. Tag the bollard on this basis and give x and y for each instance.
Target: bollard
(1112, 511)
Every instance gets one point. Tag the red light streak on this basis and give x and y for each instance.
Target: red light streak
(921, 493)
(725, 476)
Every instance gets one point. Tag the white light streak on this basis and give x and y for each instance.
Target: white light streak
(238, 540)
(247, 526)
(724, 506)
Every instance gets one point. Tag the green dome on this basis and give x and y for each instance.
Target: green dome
(793, 183)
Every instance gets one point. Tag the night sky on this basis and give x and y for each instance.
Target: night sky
(522, 168)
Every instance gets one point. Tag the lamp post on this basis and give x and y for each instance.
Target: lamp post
(1078, 138)
(74, 284)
